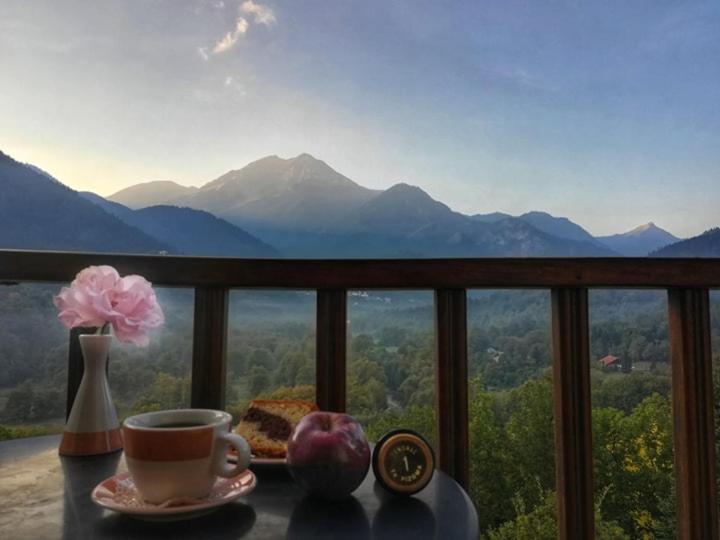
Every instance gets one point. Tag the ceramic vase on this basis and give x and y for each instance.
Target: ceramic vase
(92, 427)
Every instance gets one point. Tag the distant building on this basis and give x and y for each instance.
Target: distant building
(611, 362)
(494, 354)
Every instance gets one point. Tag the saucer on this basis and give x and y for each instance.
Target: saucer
(119, 493)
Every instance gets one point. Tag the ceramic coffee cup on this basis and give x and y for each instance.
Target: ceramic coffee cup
(180, 453)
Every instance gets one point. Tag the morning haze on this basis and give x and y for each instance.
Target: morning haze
(605, 114)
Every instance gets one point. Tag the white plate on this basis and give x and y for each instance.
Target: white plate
(118, 493)
(260, 461)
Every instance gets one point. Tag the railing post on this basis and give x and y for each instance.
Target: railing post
(331, 349)
(451, 380)
(573, 430)
(209, 360)
(692, 399)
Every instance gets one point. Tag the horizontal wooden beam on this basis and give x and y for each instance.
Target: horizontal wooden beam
(46, 266)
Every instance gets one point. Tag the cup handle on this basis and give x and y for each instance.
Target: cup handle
(242, 448)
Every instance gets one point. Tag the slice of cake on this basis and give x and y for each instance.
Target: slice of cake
(268, 423)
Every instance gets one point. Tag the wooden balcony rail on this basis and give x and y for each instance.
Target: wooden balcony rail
(687, 281)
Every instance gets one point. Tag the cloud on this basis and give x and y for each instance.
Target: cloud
(263, 14)
(229, 40)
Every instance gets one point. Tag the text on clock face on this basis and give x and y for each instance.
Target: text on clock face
(406, 463)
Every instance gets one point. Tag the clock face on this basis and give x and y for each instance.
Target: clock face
(405, 463)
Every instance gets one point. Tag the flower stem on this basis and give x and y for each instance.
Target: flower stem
(104, 329)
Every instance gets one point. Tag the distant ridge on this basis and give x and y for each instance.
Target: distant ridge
(561, 227)
(705, 245)
(38, 212)
(189, 231)
(152, 194)
(491, 217)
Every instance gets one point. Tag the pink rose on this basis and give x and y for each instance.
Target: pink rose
(88, 300)
(136, 310)
(99, 296)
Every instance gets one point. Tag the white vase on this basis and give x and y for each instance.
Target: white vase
(92, 427)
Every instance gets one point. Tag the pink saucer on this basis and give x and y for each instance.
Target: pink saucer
(119, 493)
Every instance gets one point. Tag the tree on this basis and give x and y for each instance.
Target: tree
(258, 380)
(166, 392)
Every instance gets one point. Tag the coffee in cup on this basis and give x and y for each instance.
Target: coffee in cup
(180, 453)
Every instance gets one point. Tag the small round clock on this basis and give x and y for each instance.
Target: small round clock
(403, 462)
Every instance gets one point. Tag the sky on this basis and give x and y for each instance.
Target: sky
(607, 113)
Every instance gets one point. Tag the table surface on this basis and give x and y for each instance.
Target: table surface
(43, 495)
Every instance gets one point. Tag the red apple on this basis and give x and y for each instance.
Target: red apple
(328, 454)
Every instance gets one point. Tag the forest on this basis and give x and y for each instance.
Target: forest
(390, 384)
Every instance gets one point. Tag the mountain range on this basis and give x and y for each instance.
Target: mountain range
(297, 207)
(305, 208)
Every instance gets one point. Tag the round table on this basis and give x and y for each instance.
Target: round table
(43, 495)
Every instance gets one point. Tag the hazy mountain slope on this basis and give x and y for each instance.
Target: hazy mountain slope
(491, 217)
(301, 193)
(116, 209)
(195, 232)
(517, 238)
(640, 241)
(152, 193)
(705, 245)
(189, 231)
(401, 210)
(410, 221)
(561, 227)
(37, 212)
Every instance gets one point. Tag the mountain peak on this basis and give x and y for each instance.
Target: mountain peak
(644, 228)
(561, 227)
(650, 228)
(640, 241)
(403, 189)
(152, 193)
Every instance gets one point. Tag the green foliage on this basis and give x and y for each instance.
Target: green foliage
(634, 463)
(420, 418)
(34, 403)
(166, 392)
(539, 523)
(625, 391)
(490, 486)
(20, 432)
(303, 392)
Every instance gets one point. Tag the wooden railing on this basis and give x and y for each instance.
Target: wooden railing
(687, 281)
